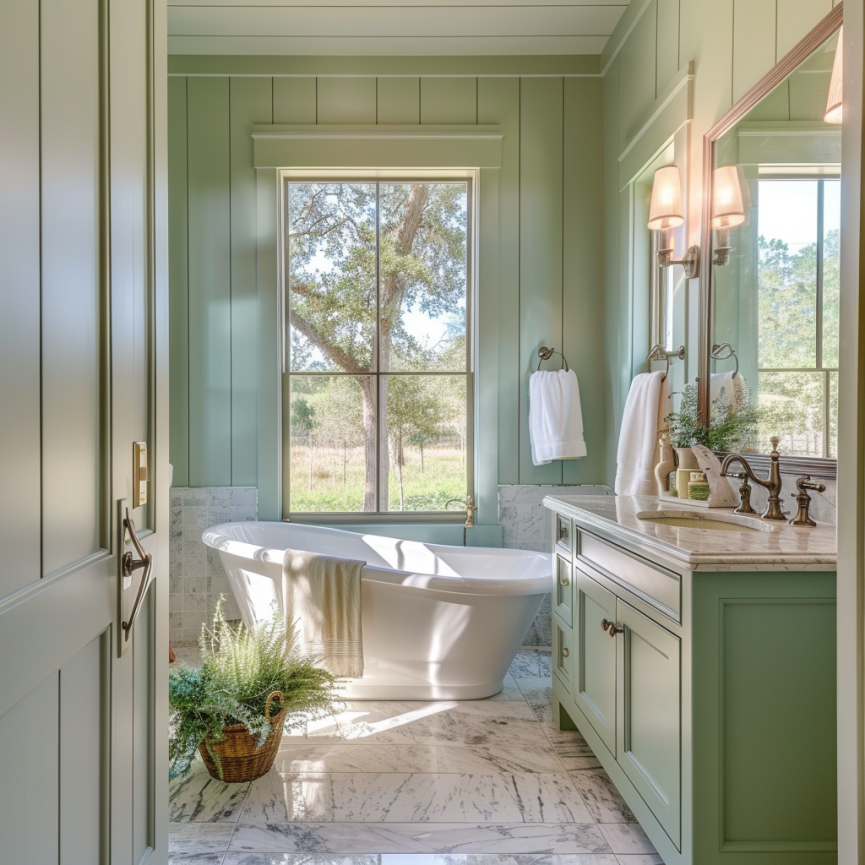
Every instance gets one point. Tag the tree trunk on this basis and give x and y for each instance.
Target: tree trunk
(367, 391)
(399, 461)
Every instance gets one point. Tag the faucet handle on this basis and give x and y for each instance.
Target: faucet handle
(805, 483)
(775, 441)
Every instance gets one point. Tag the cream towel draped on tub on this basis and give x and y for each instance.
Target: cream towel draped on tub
(639, 452)
(321, 595)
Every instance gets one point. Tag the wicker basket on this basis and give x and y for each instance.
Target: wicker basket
(240, 759)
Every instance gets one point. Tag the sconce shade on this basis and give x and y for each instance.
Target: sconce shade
(665, 211)
(727, 208)
(836, 84)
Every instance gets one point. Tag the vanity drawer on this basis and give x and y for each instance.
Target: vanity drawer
(563, 590)
(563, 653)
(657, 586)
(563, 532)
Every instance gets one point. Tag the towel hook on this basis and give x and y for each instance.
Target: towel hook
(717, 354)
(545, 353)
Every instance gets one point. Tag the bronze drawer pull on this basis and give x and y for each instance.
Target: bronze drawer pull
(611, 626)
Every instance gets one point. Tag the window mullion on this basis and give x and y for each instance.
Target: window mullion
(820, 251)
(377, 353)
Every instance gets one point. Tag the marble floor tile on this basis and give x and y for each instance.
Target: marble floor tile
(198, 798)
(602, 798)
(540, 701)
(641, 859)
(298, 859)
(526, 665)
(420, 798)
(545, 662)
(626, 838)
(424, 859)
(541, 859)
(195, 859)
(579, 764)
(361, 757)
(318, 729)
(385, 838)
(496, 724)
(198, 838)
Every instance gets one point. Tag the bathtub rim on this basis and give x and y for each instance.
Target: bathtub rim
(216, 539)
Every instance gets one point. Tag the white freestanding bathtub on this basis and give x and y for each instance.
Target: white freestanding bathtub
(439, 622)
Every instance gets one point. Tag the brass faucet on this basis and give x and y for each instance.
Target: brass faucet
(804, 500)
(772, 483)
(470, 510)
(744, 493)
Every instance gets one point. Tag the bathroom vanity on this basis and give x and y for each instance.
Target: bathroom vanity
(699, 665)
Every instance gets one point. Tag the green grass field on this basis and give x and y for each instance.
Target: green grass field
(330, 480)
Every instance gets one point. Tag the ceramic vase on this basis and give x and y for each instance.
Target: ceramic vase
(686, 459)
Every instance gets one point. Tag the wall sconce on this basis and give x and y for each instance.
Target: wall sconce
(665, 214)
(728, 211)
(836, 85)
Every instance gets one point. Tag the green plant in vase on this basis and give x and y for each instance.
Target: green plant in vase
(729, 429)
(241, 671)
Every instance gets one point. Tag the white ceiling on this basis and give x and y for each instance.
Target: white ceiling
(431, 27)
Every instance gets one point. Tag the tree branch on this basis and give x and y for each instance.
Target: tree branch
(341, 358)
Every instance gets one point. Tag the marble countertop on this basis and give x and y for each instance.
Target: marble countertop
(776, 547)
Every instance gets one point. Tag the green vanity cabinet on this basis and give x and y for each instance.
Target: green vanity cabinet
(712, 707)
(595, 685)
(563, 593)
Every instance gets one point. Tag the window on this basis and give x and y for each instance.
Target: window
(378, 365)
(799, 229)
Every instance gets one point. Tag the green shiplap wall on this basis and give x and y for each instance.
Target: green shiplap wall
(550, 268)
(733, 44)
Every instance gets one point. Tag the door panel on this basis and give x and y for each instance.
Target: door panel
(563, 591)
(20, 538)
(70, 281)
(595, 691)
(649, 728)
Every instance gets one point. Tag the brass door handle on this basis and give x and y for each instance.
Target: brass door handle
(611, 627)
(129, 565)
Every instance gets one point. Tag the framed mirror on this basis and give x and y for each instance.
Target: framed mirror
(771, 228)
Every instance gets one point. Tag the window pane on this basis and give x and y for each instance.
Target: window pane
(424, 441)
(831, 270)
(331, 276)
(332, 425)
(787, 273)
(833, 415)
(793, 402)
(424, 229)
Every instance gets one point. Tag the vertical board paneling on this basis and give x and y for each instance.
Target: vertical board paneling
(398, 100)
(346, 100)
(209, 283)
(796, 18)
(638, 71)
(81, 755)
(178, 296)
(667, 44)
(29, 754)
(540, 246)
(448, 100)
(143, 654)
(611, 266)
(753, 43)
(623, 361)
(269, 326)
(499, 103)
(294, 100)
(70, 281)
(20, 503)
(251, 101)
(582, 266)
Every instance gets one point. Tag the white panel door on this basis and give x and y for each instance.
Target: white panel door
(82, 377)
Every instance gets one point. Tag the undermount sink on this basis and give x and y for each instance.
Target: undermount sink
(703, 522)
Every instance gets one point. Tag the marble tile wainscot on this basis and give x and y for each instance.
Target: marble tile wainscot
(195, 574)
(526, 525)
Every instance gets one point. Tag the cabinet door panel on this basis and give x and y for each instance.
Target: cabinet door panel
(595, 671)
(563, 653)
(649, 726)
(563, 591)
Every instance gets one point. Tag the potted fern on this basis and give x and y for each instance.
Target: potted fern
(233, 708)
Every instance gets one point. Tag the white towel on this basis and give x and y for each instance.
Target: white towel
(647, 405)
(555, 417)
(322, 595)
(725, 381)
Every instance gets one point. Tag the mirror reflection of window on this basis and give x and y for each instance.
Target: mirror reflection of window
(798, 292)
